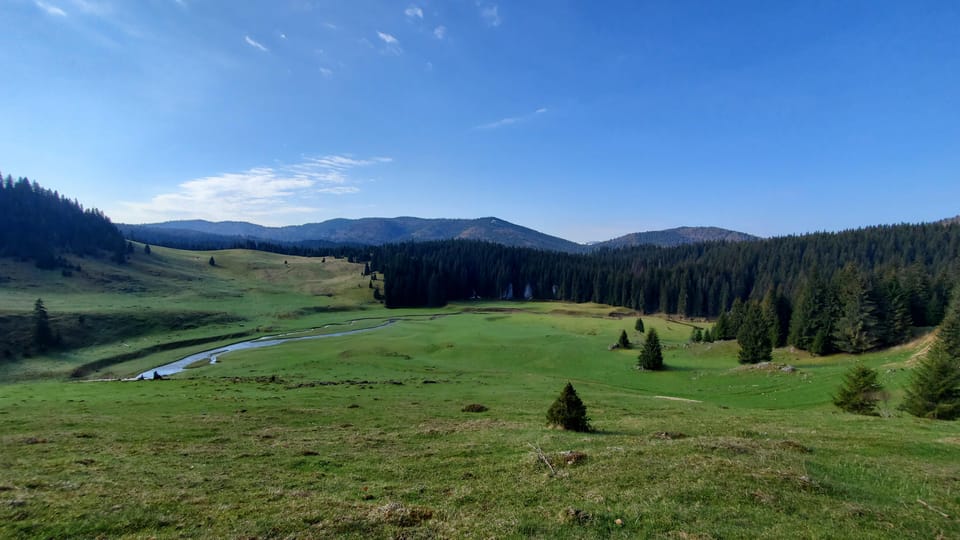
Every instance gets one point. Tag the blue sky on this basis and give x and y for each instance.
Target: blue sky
(585, 120)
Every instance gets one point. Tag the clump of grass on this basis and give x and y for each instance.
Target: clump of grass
(475, 408)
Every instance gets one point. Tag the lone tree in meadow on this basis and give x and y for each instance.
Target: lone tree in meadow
(623, 341)
(696, 335)
(568, 411)
(638, 326)
(651, 356)
(212, 262)
(860, 391)
(934, 389)
(42, 335)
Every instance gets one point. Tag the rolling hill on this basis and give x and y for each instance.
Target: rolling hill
(378, 231)
(677, 236)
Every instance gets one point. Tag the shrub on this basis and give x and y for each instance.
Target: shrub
(568, 411)
(860, 391)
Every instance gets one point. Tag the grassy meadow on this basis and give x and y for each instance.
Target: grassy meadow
(365, 436)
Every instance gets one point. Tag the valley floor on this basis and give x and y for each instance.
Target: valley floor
(365, 436)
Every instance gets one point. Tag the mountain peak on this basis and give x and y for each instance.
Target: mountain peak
(378, 230)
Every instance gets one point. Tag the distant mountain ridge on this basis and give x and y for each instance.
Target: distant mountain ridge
(677, 236)
(378, 231)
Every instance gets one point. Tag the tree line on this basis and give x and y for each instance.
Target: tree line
(849, 291)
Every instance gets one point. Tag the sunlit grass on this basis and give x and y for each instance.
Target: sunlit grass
(364, 436)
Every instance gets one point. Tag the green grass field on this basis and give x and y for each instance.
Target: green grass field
(364, 436)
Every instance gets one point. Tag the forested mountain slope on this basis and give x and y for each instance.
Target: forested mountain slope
(41, 225)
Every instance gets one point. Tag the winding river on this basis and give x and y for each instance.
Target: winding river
(268, 341)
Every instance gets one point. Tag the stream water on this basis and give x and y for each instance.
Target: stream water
(268, 341)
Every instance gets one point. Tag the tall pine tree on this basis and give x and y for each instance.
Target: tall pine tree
(857, 327)
(754, 336)
(934, 389)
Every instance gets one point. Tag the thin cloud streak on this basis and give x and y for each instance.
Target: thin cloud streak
(51, 9)
(440, 32)
(510, 120)
(392, 44)
(255, 44)
(255, 194)
(413, 11)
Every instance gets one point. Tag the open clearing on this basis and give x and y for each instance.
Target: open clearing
(365, 436)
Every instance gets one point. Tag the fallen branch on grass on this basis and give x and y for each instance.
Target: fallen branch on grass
(926, 505)
(543, 458)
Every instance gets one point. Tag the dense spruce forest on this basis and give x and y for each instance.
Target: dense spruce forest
(849, 291)
(41, 225)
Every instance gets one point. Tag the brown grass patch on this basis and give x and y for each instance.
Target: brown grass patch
(397, 514)
(474, 408)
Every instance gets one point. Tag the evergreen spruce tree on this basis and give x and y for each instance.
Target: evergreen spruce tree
(707, 336)
(568, 411)
(623, 341)
(738, 313)
(721, 329)
(42, 334)
(696, 335)
(638, 325)
(859, 392)
(898, 314)
(771, 313)
(856, 327)
(812, 320)
(754, 336)
(146, 249)
(651, 356)
(212, 262)
(934, 388)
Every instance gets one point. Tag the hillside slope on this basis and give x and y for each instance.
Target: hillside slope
(374, 231)
(170, 296)
(677, 237)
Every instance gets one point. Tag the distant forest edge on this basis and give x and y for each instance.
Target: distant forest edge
(874, 283)
(41, 225)
(850, 291)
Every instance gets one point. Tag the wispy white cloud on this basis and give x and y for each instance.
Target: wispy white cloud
(391, 44)
(261, 194)
(387, 38)
(490, 13)
(413, 12)
(440, 32)
(255, 44)
(92, 7)
(283, 36)
(511, 120)
(326, 72)
(50, 9)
